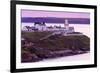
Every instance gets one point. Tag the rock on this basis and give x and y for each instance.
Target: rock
(28, 57)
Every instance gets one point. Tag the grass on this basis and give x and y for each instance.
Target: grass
(57, 43)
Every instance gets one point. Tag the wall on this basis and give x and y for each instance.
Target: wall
(5, 35)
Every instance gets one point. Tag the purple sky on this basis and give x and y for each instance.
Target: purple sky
(34, 13)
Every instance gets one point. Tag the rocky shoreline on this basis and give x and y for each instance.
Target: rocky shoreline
(34, 57)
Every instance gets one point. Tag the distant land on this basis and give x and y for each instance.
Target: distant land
(55, 20)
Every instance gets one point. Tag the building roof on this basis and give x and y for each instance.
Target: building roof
(39, 23)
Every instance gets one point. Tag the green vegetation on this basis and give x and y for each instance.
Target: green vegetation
(34, 36)
(56, 42)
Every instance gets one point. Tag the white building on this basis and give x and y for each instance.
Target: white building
(41, 26)
(66, 24)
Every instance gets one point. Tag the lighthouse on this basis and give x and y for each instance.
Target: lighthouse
(66, 25)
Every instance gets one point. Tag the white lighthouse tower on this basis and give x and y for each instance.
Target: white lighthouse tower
(66, 25)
